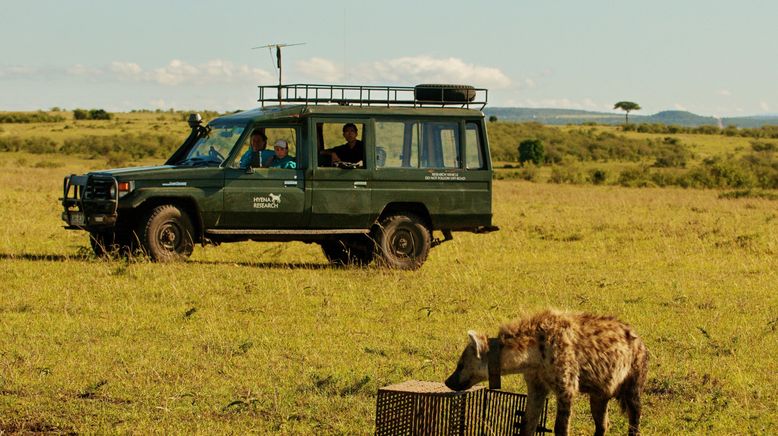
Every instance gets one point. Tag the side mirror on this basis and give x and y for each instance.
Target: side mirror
(194, 120)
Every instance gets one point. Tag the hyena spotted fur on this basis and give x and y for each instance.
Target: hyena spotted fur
(564, 353)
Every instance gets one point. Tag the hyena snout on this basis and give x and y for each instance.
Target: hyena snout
(471, 369)
(454, 383)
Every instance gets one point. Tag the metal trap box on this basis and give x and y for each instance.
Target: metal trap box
(429, 408)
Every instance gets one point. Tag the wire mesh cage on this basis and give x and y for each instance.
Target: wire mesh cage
(428, 408)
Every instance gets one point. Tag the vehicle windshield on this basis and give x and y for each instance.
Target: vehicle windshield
(213, 147)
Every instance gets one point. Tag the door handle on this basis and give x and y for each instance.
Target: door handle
(360, 184)
(290, 182)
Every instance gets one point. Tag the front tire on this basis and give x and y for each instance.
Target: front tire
(166, 234)
(403, 241)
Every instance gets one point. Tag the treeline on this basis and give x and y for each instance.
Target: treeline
(758, 132)
(120, 147)
(30, 117)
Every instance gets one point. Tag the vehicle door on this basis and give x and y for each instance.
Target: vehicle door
(420, 160)
(340, 196)
(265, 197)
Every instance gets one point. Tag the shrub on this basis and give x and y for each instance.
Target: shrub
(568, 172)
(92, 114)
(529, 172)
(598, 176)
(764, 146)
(531, 150)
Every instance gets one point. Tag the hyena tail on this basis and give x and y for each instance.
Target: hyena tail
(631, 389)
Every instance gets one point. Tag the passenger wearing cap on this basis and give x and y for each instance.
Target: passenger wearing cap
(281, 159)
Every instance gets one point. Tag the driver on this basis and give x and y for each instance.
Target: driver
(257, 156)
(353, 151)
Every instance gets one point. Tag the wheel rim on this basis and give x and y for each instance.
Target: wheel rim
(404, 243)
(170, 236)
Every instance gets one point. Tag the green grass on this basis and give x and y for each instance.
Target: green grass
(267, 337)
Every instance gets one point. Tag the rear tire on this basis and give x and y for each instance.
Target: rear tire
(403, 241)
(166, 234)
(349, 251)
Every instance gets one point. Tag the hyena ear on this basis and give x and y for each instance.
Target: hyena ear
(479, 342)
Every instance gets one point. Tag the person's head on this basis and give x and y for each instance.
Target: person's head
(258, 140)
(281, 148)
(350, 132)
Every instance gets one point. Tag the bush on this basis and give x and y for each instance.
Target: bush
(764, 146)
(92, 114)
(531, 150)
(568, 172)
(598, 176)
(529, 172)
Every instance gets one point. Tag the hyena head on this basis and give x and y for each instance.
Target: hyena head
(472, 367)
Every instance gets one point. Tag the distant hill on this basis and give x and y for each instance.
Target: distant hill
(573, 116)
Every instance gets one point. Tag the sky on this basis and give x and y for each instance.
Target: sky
(709, 57)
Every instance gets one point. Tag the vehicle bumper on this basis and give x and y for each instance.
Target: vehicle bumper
(89, 202)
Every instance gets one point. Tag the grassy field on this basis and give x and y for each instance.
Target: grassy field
(267, 338)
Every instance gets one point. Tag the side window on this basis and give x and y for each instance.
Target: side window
(474, 155)
(397, 144)
(340, 142)
(440, 145)
(267, 150)
(417, 144)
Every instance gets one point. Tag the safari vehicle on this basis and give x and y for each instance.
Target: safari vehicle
(425, 168)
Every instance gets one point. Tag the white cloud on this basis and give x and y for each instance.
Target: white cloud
(83, 71)
(680, 107)
(176, 72)
(320, 69)
(406, 70)
(128, 69)
(18, 71)
(560, 103)
(764, 106)
(724, 92)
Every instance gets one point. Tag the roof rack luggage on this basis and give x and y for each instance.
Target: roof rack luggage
(425, 95)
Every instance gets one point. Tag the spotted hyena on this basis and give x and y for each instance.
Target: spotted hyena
(564, 353)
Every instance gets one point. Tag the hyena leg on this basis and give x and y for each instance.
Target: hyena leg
(630, 402)
(564, 402)
(536, 400)
(599, 406)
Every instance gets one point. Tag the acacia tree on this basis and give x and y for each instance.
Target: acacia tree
(627, 106)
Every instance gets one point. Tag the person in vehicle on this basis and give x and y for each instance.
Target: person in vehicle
(281, 158)
(257, 156)
(353, 151)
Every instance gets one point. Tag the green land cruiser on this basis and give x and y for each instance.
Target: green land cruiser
(422, 165)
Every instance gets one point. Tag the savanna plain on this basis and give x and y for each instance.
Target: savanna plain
(269, 338)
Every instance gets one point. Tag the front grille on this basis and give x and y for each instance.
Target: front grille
(99, 188)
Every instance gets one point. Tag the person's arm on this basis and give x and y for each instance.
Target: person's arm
(245, 160)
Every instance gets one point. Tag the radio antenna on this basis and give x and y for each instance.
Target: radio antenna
(278, 63)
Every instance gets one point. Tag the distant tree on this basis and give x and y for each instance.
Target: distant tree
(80, 114)
(99, 114)
(531, 150)
(627, 106)
(492, 118)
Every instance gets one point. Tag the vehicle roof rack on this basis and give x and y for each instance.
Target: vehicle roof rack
(424, 95)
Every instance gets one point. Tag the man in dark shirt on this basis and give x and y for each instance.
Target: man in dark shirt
(353, 151)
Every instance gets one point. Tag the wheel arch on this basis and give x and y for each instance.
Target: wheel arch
(395, 208)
